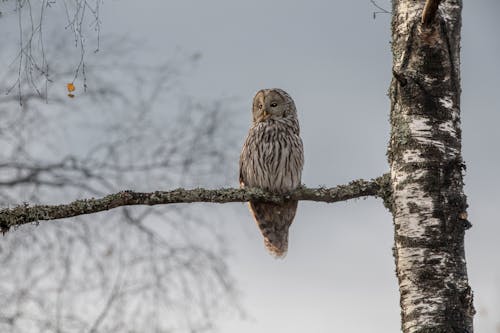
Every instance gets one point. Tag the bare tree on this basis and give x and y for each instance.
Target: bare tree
(424, 190)
(153, 270)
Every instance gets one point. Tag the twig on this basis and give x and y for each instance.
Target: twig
(23, 214)
(381, 10)
(429, 11)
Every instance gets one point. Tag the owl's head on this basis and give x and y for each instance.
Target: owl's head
(272, 104)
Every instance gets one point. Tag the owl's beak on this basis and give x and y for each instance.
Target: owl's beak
(265, 115)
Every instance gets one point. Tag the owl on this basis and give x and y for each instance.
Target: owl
(272, 159)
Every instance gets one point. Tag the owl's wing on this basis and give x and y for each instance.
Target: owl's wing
(242, 176)
(245, 159)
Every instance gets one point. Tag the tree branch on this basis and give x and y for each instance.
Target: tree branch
(429, 11)
(23, 214)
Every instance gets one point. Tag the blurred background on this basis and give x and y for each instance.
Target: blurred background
(163, 98)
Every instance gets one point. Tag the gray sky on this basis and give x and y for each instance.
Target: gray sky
(334, 59)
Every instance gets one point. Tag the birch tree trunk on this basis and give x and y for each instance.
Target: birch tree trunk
(428, 202)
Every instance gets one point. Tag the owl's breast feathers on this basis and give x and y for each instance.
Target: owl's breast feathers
(272, 157)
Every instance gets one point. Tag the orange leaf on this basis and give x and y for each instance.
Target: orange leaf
(71, 87)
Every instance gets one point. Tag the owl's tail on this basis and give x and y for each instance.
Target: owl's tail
(273, 221)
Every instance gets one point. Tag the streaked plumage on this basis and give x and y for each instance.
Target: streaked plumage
(272, 159)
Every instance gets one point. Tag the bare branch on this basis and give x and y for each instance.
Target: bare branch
(430, 10)
(381, 10)
(25, 214)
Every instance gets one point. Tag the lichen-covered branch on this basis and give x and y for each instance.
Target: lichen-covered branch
(25, 214)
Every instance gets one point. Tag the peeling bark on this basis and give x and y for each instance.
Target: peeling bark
(429, 205)
(25, 214)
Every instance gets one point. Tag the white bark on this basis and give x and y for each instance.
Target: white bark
(426, 170)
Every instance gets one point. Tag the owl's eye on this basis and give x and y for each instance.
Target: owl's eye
(273, 105)
(260, 106)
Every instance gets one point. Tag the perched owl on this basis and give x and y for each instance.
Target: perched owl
(272, 159)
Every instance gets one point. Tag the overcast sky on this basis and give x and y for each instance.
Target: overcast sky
(334, 59)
